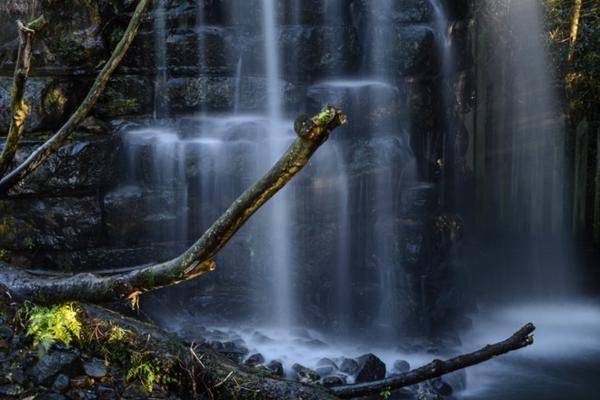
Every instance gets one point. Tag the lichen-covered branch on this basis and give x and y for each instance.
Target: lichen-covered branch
(42, 153)
(19, 109)
(198, 259)
(521, 338)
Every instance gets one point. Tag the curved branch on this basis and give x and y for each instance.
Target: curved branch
(198, 259)
(58, 139)
(521, 338)
(19, 109)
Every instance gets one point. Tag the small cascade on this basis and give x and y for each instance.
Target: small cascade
(160, 81)
(238, 87)
(156, 173)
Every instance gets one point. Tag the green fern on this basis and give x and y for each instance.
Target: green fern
(144, 370)
(50, 325)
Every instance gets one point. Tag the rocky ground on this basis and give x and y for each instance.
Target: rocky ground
(93, 368)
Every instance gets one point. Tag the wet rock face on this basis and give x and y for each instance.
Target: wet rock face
(50, 102)
(50, 223)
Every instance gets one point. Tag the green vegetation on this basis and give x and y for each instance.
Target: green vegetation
(50, 325)
(386, 393)
(149, 370)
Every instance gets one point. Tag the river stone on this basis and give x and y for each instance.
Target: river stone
(234, 350)
(54, 396)
(441, 387)
(275, 368)
(326, 367)
(66, 361)
(94, 368)
(106, 392)
(349, 366)
(11, 390)
(255, 360)
(333, 380)
(60, 383)
(401, 366)
(5, 331)
(457, 380)
(306, 375)
(370, 368)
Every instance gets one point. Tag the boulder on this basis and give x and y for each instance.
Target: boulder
(94, 368)
(275, 368)
(12, 390)
(349, 366)
(306, 375)
(326, 367)
(401, 366)
(53, 363)
(255, 360)
(333, 380)
(370, 368)
(61, 383)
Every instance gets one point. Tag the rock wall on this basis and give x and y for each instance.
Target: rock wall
(74, 213)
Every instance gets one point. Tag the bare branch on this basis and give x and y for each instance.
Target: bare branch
(437, 368)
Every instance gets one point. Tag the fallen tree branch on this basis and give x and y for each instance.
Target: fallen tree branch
(198, 259)
(19, 109)
(437, 368)
(42, 153)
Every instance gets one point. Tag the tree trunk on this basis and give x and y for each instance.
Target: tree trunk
(19, 109)
(198, 259)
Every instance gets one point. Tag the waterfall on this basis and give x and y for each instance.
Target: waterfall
(524, 174)
(278, 229)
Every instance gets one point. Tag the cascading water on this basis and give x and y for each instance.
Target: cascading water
(160, 82)
(524, 146)
(278, 230)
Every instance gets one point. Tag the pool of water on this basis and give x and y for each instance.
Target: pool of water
(562, 364)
